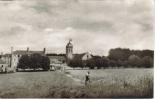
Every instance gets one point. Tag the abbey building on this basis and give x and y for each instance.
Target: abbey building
(12, 60)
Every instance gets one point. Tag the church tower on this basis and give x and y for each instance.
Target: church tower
(69, 50)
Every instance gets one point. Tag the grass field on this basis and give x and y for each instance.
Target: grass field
(32, 84)
(106, 83)
(117, 83)
(111, 76)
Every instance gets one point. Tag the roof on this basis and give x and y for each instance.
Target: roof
(57, 57)
(69, 44)
(6, 55)
(78, 56)
(54, 54)
(23, 52)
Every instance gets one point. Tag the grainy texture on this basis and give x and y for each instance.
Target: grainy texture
(108, 83)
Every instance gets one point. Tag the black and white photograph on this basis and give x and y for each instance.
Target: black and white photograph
(80, 49)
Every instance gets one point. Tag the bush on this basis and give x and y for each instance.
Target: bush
(134, 60)
(147, 62)
(34, 61)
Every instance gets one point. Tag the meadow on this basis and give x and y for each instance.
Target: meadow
(117, 83)
(105, 83)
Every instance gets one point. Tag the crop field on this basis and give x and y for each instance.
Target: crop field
(128, 75)
(118, 83)
(105, 83)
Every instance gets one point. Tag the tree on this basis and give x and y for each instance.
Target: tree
(45, 63)
(34, 61)
(119, 54)
(90, 63)
(76, 63)
(24, 62)
(112, 63)
(134, 60)
(105, 62)
(147, 62)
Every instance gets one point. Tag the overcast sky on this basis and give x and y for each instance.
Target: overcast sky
(94, 25)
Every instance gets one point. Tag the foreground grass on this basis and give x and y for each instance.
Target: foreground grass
(32, 84)
(110, 83)
(143, 88)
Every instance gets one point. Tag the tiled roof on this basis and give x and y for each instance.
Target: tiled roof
(22, 52)
(78, 56)
(57, 57)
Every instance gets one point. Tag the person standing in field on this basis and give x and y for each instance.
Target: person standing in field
(87, 78)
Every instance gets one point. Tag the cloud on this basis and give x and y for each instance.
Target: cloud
(96, 25)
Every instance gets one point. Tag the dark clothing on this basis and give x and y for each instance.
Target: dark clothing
(87, 79)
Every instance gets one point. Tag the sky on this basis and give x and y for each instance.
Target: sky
(95, 26)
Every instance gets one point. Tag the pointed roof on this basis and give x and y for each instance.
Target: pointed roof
(79, 56)
(69, 44)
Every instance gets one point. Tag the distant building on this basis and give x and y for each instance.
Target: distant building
(3, 66)
(16, 55)
(56, 58)
(71, 56)
(66, 58)
(12, 60)
(6, 58)
(83, 56)
(69, 50)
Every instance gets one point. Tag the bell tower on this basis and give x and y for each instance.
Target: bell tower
(69, 50)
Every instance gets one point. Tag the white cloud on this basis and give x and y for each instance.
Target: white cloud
(94, 26)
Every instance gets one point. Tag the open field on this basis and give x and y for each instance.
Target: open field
(106, 83)
(117, 83)
(32, 84)
(110, 76)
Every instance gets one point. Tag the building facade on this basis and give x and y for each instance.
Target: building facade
(70, 56)
(69, 50)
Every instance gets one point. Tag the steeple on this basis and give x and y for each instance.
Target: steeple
(69, 50)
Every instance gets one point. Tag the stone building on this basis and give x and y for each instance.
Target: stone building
(6, 58)
(3, 66)
(12, 60)
(71, 56)
(65, 58)
(16, 55)
(56, 58)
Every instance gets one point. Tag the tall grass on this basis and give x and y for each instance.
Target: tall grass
(58, 85)
(142, 89)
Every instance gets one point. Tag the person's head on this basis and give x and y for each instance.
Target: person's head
(88, 72)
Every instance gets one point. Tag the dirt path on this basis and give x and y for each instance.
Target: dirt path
(78, 81)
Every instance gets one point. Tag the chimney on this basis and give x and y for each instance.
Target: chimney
(27, 49)
(11, 50)
(44, 50)
(10, 62)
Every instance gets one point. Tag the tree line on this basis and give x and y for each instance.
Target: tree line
(34, 62)
(118, 57)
